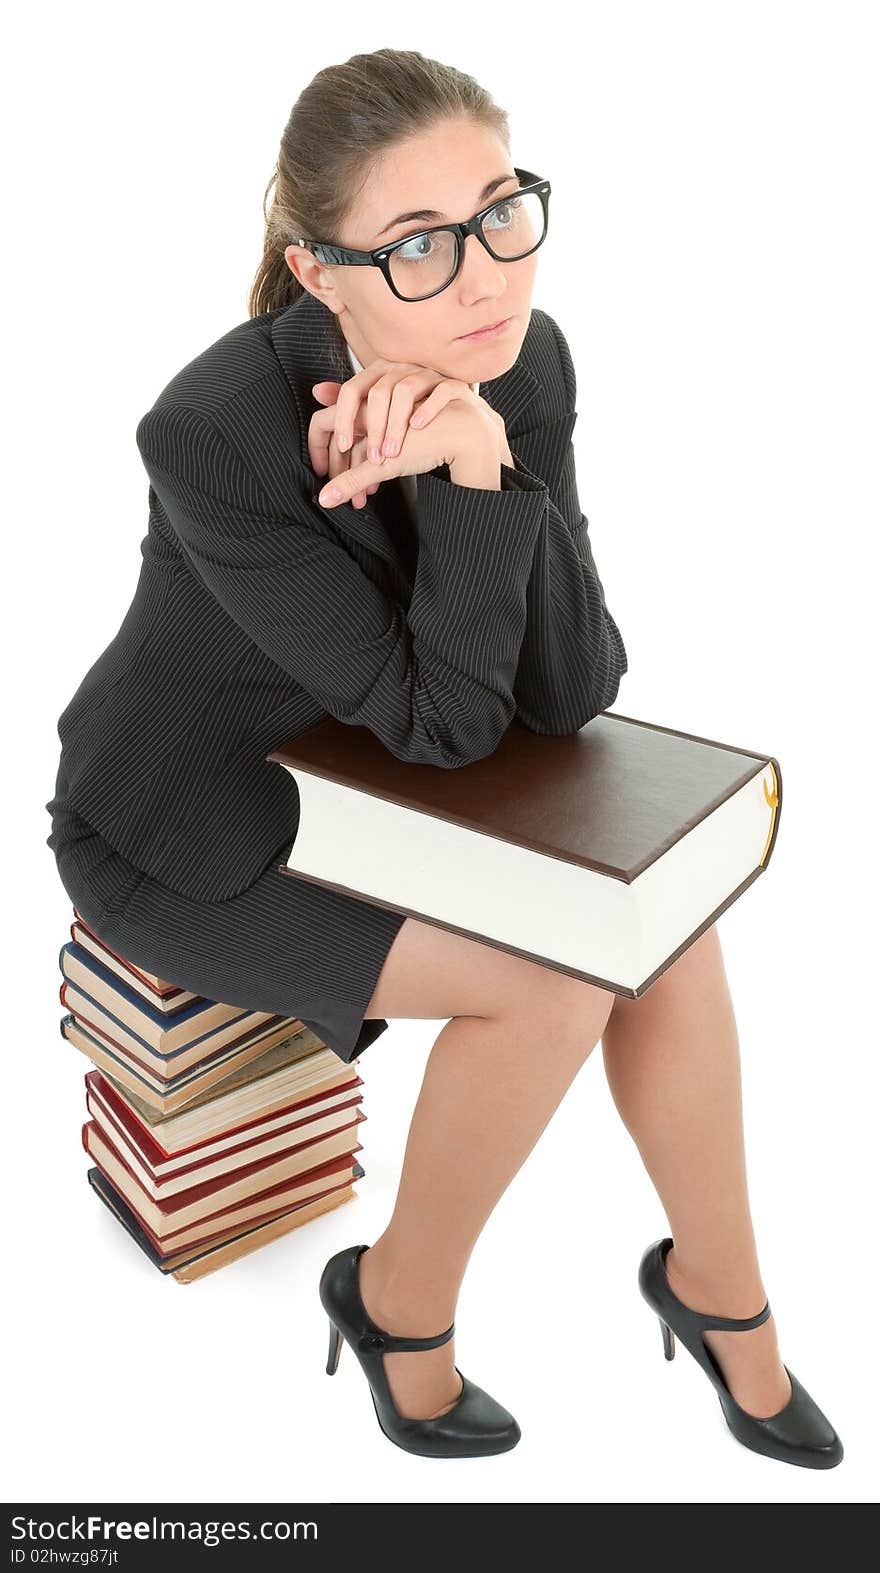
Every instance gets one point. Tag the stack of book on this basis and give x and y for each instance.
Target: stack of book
(213, 1129)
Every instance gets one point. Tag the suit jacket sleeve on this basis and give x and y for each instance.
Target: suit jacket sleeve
(572, 656)
(434, 682)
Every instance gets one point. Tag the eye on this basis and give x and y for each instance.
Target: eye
(419, 249)
(507, 212)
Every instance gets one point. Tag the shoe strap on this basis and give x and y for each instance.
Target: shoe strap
(390, 1343)
(732, 1323)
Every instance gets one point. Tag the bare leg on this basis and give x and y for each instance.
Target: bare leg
(672, 1063)
(496, 1073)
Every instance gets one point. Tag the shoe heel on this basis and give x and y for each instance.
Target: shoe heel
(474, 1425)
(799, 1433)
(334, 1350)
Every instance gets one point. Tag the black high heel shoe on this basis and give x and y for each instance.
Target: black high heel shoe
(799, 1433)
(474, 1426)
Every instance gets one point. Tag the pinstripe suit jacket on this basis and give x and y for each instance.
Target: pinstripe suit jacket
(258, 613)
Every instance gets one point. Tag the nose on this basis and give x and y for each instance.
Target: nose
(480, 269)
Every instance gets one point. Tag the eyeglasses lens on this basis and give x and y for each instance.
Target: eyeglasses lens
(425, 264)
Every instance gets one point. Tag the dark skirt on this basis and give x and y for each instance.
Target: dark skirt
(284, 945)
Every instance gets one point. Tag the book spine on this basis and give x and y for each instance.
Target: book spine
(777, 811)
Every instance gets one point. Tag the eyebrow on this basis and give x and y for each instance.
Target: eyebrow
(430, 214)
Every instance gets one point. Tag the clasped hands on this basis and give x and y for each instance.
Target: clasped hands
(396, 418)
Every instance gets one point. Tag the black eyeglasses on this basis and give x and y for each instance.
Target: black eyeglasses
(423, 264)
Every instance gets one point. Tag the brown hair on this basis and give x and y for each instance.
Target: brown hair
(345, 118)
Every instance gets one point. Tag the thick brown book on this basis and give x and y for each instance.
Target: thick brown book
(603, 853)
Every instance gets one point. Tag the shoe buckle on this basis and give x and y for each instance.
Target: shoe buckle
(369, 1341)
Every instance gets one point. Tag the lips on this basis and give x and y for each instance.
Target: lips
(487, 326)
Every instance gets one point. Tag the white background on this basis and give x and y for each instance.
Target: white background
(713, 261)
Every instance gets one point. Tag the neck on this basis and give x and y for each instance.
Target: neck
(355, 342)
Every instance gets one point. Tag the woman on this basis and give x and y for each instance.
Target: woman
(447, 587)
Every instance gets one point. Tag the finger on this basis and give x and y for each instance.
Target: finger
(340, 464)
(438, 398)
(337, 463)
(404, 398)
(347, 408)
(375, 416)
(320, 434)
(355, 454)
(430, 406)
(326, 392)
(323, 439)
(364, 401)
(397, 390)
(358, 402)
(348, 483)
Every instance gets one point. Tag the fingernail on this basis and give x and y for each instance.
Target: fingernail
(375, 455)
(342, 441)
(390, 448)
(329, 494)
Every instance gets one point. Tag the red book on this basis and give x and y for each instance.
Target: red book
(262, 1210)
(165, 1174)
(162, 1215)
(288, 1110)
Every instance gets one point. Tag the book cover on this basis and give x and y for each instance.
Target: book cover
(168, 999)
(195, 1028)
(216, 1254)
(164, 1176)
(163, 1214)
(603, 853)
(202, 1082)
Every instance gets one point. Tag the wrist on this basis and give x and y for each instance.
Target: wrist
(480, 473)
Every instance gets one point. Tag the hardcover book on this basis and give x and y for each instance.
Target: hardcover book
(200, 1201)
(166, 997)
(188, 1265)
(179, 1092)
(603, 853)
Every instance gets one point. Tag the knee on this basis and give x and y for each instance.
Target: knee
(562, 1005)
(692, 974)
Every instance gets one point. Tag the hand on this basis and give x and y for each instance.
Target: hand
(362, 407)
(460, 431)
(379, 404)
(375, 403)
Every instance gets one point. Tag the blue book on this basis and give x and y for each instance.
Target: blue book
(102, 998)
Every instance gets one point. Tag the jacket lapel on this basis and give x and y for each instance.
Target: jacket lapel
(311, 349)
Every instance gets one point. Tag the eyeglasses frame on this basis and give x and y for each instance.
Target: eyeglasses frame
(325, 251)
